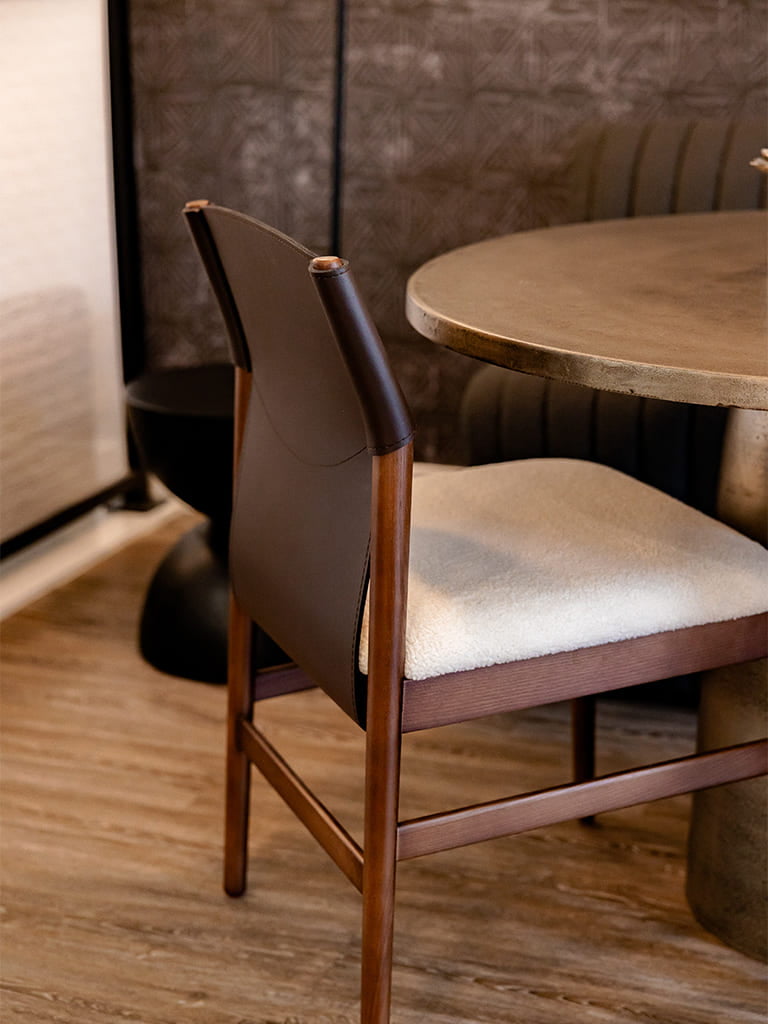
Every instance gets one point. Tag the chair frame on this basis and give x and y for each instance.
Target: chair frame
(397, 705)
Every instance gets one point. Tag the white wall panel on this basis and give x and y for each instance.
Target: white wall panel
(62, 434)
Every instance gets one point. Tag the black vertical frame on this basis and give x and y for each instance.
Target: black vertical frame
(337, 152)
(126, 205)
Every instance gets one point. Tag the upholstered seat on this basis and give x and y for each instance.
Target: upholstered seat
(590, 554)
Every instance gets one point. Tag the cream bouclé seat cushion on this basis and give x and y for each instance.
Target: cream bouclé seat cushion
(520, 559)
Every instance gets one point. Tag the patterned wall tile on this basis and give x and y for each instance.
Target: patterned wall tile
(165, 51)
(306, 47)
(244, 46)
(234, 102)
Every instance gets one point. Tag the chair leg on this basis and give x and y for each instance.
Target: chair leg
(583, 710)
(238, 770)
(379, 869)
(390, 533)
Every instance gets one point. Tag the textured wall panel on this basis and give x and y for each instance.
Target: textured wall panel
(234, 103)
(460, 114)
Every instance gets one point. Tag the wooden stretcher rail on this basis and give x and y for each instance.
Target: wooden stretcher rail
(446, 831)
(331, 835)
(279, 680)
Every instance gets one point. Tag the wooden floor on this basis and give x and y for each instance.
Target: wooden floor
(111, 897)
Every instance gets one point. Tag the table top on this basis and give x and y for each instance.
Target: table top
(668, 307)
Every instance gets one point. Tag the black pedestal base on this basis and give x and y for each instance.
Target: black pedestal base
(183, 627)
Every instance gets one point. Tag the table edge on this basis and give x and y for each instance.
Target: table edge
(676, 384)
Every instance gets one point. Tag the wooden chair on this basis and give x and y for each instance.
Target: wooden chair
(526, 583)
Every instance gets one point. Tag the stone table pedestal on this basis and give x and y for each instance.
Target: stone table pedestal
(728, 844)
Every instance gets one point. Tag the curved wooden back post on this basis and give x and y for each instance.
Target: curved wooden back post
(390, 538)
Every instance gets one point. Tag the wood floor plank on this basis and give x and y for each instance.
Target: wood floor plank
(112, 908)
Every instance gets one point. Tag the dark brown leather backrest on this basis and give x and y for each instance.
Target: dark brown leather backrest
(301, 518)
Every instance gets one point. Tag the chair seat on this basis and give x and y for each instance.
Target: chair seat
(591, 555)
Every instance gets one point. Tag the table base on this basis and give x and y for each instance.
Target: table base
(728, 846)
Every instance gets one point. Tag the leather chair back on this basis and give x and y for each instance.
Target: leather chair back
(321, 404)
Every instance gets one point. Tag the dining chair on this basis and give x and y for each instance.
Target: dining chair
(419, 602)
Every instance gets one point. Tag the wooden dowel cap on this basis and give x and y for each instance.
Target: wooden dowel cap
(325, 263)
